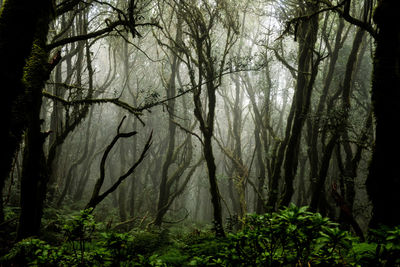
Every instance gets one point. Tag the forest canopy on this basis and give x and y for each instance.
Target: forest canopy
(125, 120)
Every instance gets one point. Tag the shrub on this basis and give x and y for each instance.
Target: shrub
(292, 236)
(288, 237)
(32, 252)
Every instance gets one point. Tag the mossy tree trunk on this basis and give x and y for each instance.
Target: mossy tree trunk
(383, 182)
(318, 184)
(205, 74)
(307, 37)
(34, 169)
(18, 23)
(316, 124)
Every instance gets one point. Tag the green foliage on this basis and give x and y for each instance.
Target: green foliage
(9, 213)
(32, 252)
(129, 247)
(387, 248)
(293, 236)
(78, 231)
(289, 237)
(53, 223)
(145, 243)
(173, 256)
(80, 227)
(206, 251)
(117, 245)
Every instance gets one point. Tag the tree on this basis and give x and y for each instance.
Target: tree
(307, 69)
(383, 181)
(34, 170)
(383, 178)
(27, 74)
(97, 197)
(340, 123)
(208, 64)
(18, 27)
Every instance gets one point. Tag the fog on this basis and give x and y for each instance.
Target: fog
(198, 112)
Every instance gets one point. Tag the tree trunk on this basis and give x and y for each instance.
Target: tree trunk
(316, 123)
(72, 171)
(307, 37)
(383, 182)
(318, 185)
(34, 170)
(164, 191)
(19, 20)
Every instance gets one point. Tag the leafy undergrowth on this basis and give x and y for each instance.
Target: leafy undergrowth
(290, 237)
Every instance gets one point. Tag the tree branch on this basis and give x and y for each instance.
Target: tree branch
(110, 27)
(345, 13)
(96, 197)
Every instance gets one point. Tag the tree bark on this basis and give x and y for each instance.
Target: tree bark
(164, 190)
(34, 170)
(316, 123)
(19, 20)
(97, 197)
(307, 37)
(318, 185)
(383, 182)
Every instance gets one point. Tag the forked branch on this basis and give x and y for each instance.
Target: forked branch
(96, 196)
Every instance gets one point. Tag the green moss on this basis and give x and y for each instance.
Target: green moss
(2, 7)
(36, 69)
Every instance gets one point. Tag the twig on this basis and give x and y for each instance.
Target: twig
(188, 131)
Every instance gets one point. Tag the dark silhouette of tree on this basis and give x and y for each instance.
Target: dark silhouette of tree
(383, 181)
(18, 27)
(97, 196)
(201, 21)
(24, 27)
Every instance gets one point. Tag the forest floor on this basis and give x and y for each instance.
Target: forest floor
(291, 237)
